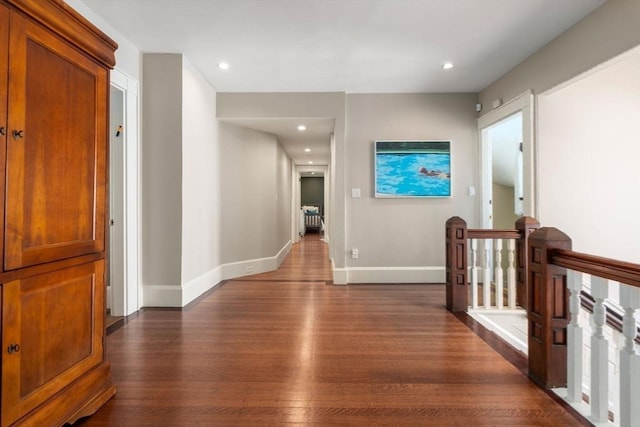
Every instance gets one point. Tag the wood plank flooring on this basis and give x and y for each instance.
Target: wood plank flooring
(288, 348)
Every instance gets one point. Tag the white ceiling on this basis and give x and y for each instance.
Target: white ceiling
(353, 46)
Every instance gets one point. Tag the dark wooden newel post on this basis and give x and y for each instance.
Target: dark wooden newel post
(548, 309)
(456, 264)
(525, 226)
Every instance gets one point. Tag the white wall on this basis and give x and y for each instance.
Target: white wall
(402, 240)
(181, 181)
(255, 195)
(605, 33)
(161, 173)
(588, 151)
(201, 182)
(283, 197)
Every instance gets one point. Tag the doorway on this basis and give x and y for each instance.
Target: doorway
(115, 284)
(507, 163)
(503, 175)
(123, 284)
(320, 179)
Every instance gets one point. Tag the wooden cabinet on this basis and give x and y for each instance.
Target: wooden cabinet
(55, 170)
(54, 82)
(59, 342)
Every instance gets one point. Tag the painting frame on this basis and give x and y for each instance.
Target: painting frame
(412, 169)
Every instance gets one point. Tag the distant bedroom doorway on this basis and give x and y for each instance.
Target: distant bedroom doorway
(310, 205)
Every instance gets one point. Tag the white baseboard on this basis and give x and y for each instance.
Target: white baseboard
(255, 266)
(201, 284)
(179, 296)
(343, 276)
(283, 253)
(162, 296)
(339, 274)
(396, 274)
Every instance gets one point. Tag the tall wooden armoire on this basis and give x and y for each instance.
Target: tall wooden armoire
(54, 89)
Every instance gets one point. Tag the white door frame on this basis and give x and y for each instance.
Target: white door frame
(525, 104)
(295, 204)
(127, 300)
(296, 199)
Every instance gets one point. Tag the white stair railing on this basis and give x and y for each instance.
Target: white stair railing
(486, 282)
(511, 273)
(487, 269)
(473, 276)
(629, 358)
(598, 371)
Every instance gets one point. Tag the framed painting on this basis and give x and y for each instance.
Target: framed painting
(412, 169)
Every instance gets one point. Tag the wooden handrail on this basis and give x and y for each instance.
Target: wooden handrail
(623, 272)
(619, 271)
(474, 233)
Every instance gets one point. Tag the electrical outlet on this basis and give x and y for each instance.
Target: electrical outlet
(355, 254)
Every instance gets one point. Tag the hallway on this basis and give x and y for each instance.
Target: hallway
(287, 347)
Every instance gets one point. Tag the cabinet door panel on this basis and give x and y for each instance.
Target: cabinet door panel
(53, 318)
(56, 171)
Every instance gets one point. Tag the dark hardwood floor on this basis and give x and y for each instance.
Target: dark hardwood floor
(288, 347)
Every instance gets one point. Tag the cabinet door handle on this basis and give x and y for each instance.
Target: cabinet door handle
(13, 348)
(3, 131)
(18, 134)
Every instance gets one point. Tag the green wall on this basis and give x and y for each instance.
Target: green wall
(312, 191)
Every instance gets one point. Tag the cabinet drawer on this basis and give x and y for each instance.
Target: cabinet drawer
(53, 329)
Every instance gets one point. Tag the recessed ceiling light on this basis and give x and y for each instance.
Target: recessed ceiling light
(310, 162)
(302, 128)
(223, 65)
(447, 65)
(313, 173)
(307, 150)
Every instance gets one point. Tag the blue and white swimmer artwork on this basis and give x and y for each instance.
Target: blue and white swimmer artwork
(413, 168)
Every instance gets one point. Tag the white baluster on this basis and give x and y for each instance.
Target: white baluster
(511, 273)
(599, 353)
(474, 273)
(486, 285)
(498, 275)
(629, 359)
(574, 336)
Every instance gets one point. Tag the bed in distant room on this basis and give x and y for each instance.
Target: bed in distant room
(312, 219)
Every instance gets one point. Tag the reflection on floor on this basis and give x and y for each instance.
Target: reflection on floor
(510, 325)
